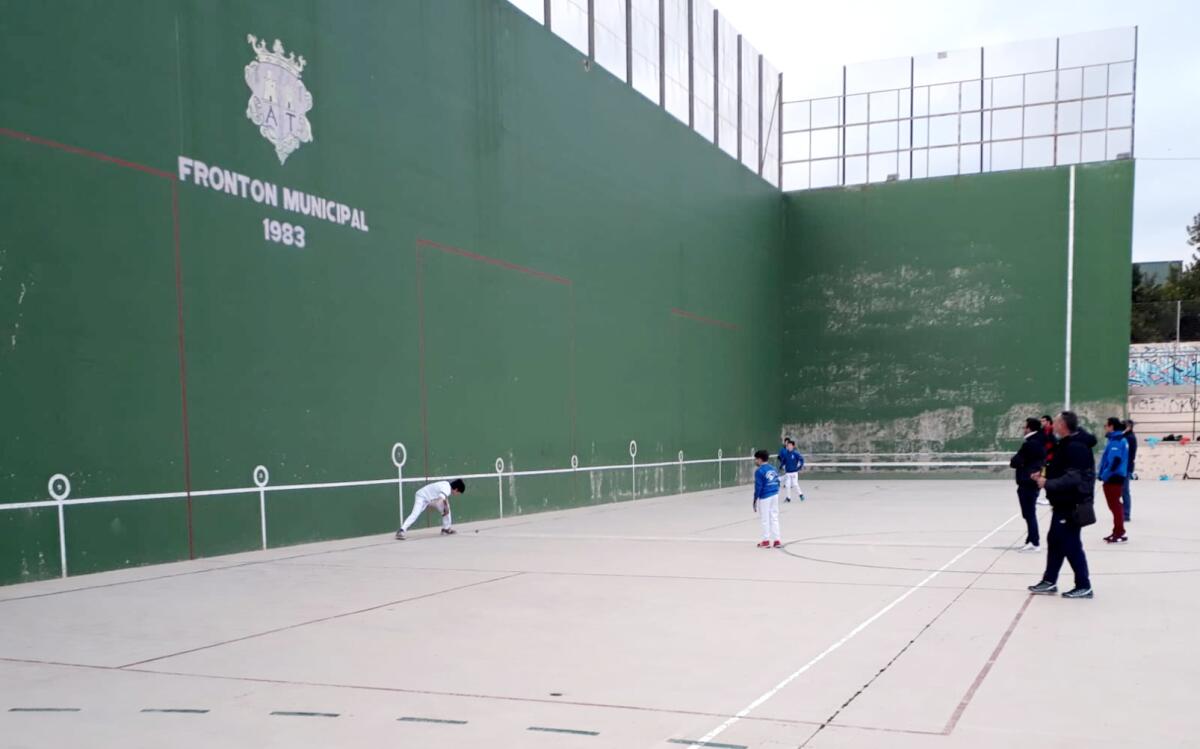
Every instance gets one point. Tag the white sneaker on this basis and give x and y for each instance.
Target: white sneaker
(1029, 549)
(1044, 502)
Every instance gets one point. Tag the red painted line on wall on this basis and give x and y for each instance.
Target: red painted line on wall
(187, 449)
(706, 320)
(421, 360)
(421, 327)
(983, 672)
(17, 135)
(187, 459)
(495, 261)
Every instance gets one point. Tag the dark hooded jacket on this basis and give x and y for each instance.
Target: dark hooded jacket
(1071, 472)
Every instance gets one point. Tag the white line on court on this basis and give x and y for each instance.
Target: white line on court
(706, 738)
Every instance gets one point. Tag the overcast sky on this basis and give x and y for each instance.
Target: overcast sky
(807, 39)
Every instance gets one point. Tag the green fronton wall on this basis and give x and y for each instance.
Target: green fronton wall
(532, 226)
(930, 316)
(552, 266)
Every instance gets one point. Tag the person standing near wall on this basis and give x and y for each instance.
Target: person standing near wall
(1070, 484)
(1029, 460)
(1132, 441)
(1048, 443)
(436, 495)
(791, 462)
(766, 498)
(1114, 468)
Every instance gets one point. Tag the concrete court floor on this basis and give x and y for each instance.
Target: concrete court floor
(646, 624)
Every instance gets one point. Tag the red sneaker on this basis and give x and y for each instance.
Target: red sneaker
(764, 544)
(778, 545)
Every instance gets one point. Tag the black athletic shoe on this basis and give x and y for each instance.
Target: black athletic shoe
(1078, 593)
(1044, 587)
(787, 499)
(448, 531)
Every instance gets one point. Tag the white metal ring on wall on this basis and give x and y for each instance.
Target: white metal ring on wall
(261, 476)
(399, 455)
(59, 487)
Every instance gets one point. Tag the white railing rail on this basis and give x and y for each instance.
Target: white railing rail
(59, 486)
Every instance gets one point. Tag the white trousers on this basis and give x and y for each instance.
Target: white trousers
(768, 514)
(419, 506)
(791, 481)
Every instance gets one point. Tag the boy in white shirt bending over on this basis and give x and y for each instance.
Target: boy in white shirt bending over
(436, 495)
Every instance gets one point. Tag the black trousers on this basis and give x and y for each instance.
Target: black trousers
(1065, 542)
(1027, 495)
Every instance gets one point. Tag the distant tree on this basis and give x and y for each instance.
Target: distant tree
(1144, 326)
(1186, 284)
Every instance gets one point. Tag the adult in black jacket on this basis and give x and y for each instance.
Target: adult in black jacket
(1070, 483)
(1132, 439)
(1026, 463)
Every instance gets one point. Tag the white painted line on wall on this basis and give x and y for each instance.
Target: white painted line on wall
(706, 738)
(1070, 286)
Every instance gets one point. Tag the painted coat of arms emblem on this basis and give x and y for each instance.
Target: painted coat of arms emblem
(279, 102)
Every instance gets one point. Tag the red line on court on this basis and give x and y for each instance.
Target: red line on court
(495, 261)
(983, 672)
(17, 135)
(706, 320)
(187, 450)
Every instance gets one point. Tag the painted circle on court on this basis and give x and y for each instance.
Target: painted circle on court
(59, 487)
(791, 549)
(261, 476)
(499, 465)
(633, 448)
(720, 454)
(681, 456)
(574, 461)
(399, 455)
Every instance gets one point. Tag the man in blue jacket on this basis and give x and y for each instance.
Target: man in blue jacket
(791, 462)
(1114, 466)
(1070, 484)
(766, 498)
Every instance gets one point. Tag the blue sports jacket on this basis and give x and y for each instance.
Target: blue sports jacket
(790, 461)
(766, 481)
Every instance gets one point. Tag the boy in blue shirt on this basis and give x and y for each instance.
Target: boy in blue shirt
(791, 462)
(766, 499)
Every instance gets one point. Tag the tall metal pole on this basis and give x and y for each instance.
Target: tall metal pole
(739, 98)
(843, 124)
(691, 22)
(662, 53)
(912, 100)
(1057, 46)
(629, 42)
(1132, 99)
(546, 14)
(591, 11)
(981, 76)
(779, 150)
(716, 66)
(762, 147)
